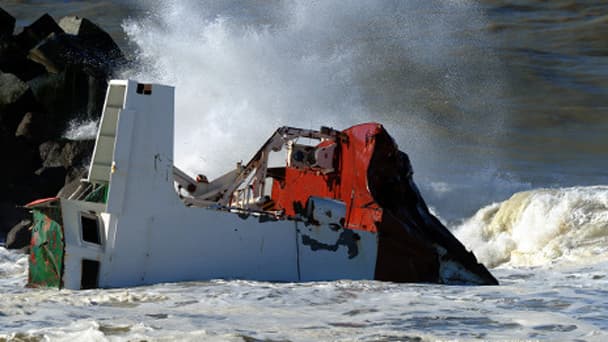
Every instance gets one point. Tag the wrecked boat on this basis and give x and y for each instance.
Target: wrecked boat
(342, 207)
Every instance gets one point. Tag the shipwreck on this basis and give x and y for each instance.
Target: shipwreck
(342, 206)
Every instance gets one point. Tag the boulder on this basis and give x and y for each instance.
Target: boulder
(7, 23)
(11, 89)
(10, 215)
(77, 153)
(66, 154)
(9, 49)
(69, 95)
(14, 60)
(22, 159)
(15, 100)
(63, 96)
(19, 236)
(63, 162)
(59, 50)
(51, 53)
(33, 127)
(72, 181)
(48, 77)
(97, 38)
(48, 182)
(37, 31)
(51, 154)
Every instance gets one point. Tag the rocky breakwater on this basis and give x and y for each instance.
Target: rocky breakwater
(51, 74)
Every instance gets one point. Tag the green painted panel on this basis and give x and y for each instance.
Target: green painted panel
(46, 248)
(98, 195)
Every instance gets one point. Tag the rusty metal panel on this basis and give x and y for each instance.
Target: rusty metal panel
(46, 249)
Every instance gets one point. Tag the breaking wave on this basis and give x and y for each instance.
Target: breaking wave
(541, 227)
(243, 69)
(11, 263)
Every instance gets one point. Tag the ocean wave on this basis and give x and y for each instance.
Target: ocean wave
(11, 263)
(541, 227)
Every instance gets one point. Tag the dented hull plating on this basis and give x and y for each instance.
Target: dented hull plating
(345, 208)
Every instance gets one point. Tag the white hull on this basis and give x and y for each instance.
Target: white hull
(131, 223)
(148, 235)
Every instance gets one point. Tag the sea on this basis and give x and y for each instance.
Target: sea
(502, 106)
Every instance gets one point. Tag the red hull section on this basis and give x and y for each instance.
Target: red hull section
(374, 181)
(348, 184)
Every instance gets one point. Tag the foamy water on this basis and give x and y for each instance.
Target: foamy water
(549, 246)
(541, 227)
(531, 303)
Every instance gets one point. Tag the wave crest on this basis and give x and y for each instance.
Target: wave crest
(541, 227)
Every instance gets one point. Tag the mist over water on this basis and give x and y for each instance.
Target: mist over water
(422, 68)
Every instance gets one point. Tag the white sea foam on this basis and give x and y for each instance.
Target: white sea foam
(82, 130)
(530, 303)
(11, 263)
(541, 227)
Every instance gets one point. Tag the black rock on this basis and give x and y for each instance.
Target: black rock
(49, 181)
(72, 181)
(64, 96)
(60, 50)
(50, 154)
(15, 100)
(10, 215)
(48, 78)
(77, 153)
(95, 37)
(33, 127)
(63, 163)
(13, 60)
(9, 49)
(37, 31)
(19, 236)
(26, 127)
(7, 23)
(11, 90)
(21, 160)
(66, 153)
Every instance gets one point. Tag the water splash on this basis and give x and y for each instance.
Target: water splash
(541, 227)
(241, 70)
(82, 130)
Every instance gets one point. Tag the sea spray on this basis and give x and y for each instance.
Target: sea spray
(81, 130)
(541, 227)
(422, 68)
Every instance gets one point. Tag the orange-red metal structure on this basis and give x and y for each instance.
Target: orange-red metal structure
(348, 183)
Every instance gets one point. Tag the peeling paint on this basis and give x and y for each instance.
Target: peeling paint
(46, 249)
(347, 238)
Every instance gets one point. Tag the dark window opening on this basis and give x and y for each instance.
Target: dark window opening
(90, 229)
(90, 274)
(145, 89)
